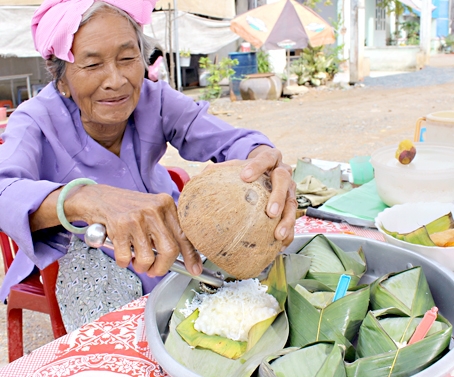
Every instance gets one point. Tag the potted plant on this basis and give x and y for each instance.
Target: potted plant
(449, 44)
(185, 58)
(216, 72)
(314, 67)
(263, 62)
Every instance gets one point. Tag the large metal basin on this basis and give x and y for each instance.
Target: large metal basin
(382, 258)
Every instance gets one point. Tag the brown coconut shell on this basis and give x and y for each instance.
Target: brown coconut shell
(225, 219)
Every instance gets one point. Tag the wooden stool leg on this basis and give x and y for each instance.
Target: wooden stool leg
(14, 331)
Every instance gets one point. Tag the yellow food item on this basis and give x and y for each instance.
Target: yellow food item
(233, 309)
(406, 152)
(443, 239)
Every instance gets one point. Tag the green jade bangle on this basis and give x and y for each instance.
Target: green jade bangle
(61, 200)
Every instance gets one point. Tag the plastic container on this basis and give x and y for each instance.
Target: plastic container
(405, 218)
(382, 258)
(247, 64)
(185, 61)
(438, 127)
(429, 177)
(2, 113)
(245, 47)
(203, 77)
(362, 170)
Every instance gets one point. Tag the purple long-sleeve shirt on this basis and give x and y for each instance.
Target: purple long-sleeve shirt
(45, 146)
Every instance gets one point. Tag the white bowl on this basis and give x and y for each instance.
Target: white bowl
(430, 176)
(404, 218)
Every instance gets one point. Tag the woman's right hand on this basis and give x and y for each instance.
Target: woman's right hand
(144, 221)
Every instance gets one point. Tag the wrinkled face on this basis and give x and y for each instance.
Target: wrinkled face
(108, 70)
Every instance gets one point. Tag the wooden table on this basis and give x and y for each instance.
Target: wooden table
(12, 78)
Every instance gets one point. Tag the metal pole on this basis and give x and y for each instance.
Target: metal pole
(354, 42)
(177, 48)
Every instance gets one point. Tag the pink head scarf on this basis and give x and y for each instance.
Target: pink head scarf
(56, 21)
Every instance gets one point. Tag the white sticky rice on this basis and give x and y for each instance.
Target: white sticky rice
(233, 309)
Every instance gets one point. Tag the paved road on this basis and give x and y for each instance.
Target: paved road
(439, 70)
(427, 76)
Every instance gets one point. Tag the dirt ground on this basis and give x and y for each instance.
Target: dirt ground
(325, 123)
(334, 124)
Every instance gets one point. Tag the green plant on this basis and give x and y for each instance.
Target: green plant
(449, 40)
(315, 67)
(185, 53)
(398, 8)
(216, 72)
(411, 28)
(313, 3)
(263, 63)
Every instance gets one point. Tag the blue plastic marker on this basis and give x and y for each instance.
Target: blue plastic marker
(342, 286)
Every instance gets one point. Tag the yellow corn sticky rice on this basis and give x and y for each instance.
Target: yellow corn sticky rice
(233, 309)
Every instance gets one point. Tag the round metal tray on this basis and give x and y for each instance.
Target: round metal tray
(381, 258)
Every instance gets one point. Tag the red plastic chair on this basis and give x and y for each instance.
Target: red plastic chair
(32, 294)
(6, 103)
(179, 176)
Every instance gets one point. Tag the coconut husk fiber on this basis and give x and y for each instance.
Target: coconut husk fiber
(225, 219)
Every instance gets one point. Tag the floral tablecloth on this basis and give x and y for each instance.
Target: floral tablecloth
(115, 344)
(306, 225)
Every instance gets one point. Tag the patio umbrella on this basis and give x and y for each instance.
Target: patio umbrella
(284, 24)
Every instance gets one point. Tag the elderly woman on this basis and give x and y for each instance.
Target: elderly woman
(100, 119)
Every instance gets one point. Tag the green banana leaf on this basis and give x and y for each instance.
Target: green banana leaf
(264, 337)
(320, 359)
(338, 321)
(444, 222)
(421, 236)
(319, 300)
(406, 292)
(314, 285)
(296, 267)
(418, 236)
(329, 262)
(382, 351)
(340, 313)
(276, 281)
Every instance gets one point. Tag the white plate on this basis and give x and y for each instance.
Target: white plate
(405, 218)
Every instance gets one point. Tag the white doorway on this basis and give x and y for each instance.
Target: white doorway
(380, 25)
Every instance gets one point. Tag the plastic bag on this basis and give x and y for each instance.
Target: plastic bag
(157, 70)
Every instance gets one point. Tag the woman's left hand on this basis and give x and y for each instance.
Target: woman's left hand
(282, 202)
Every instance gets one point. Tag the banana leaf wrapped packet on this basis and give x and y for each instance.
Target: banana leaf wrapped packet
(382, 348)
(402, 293)
(211, 355)
(320, 359)
(313, 316)
(399, 301)
(329, 262)
(312, 321)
